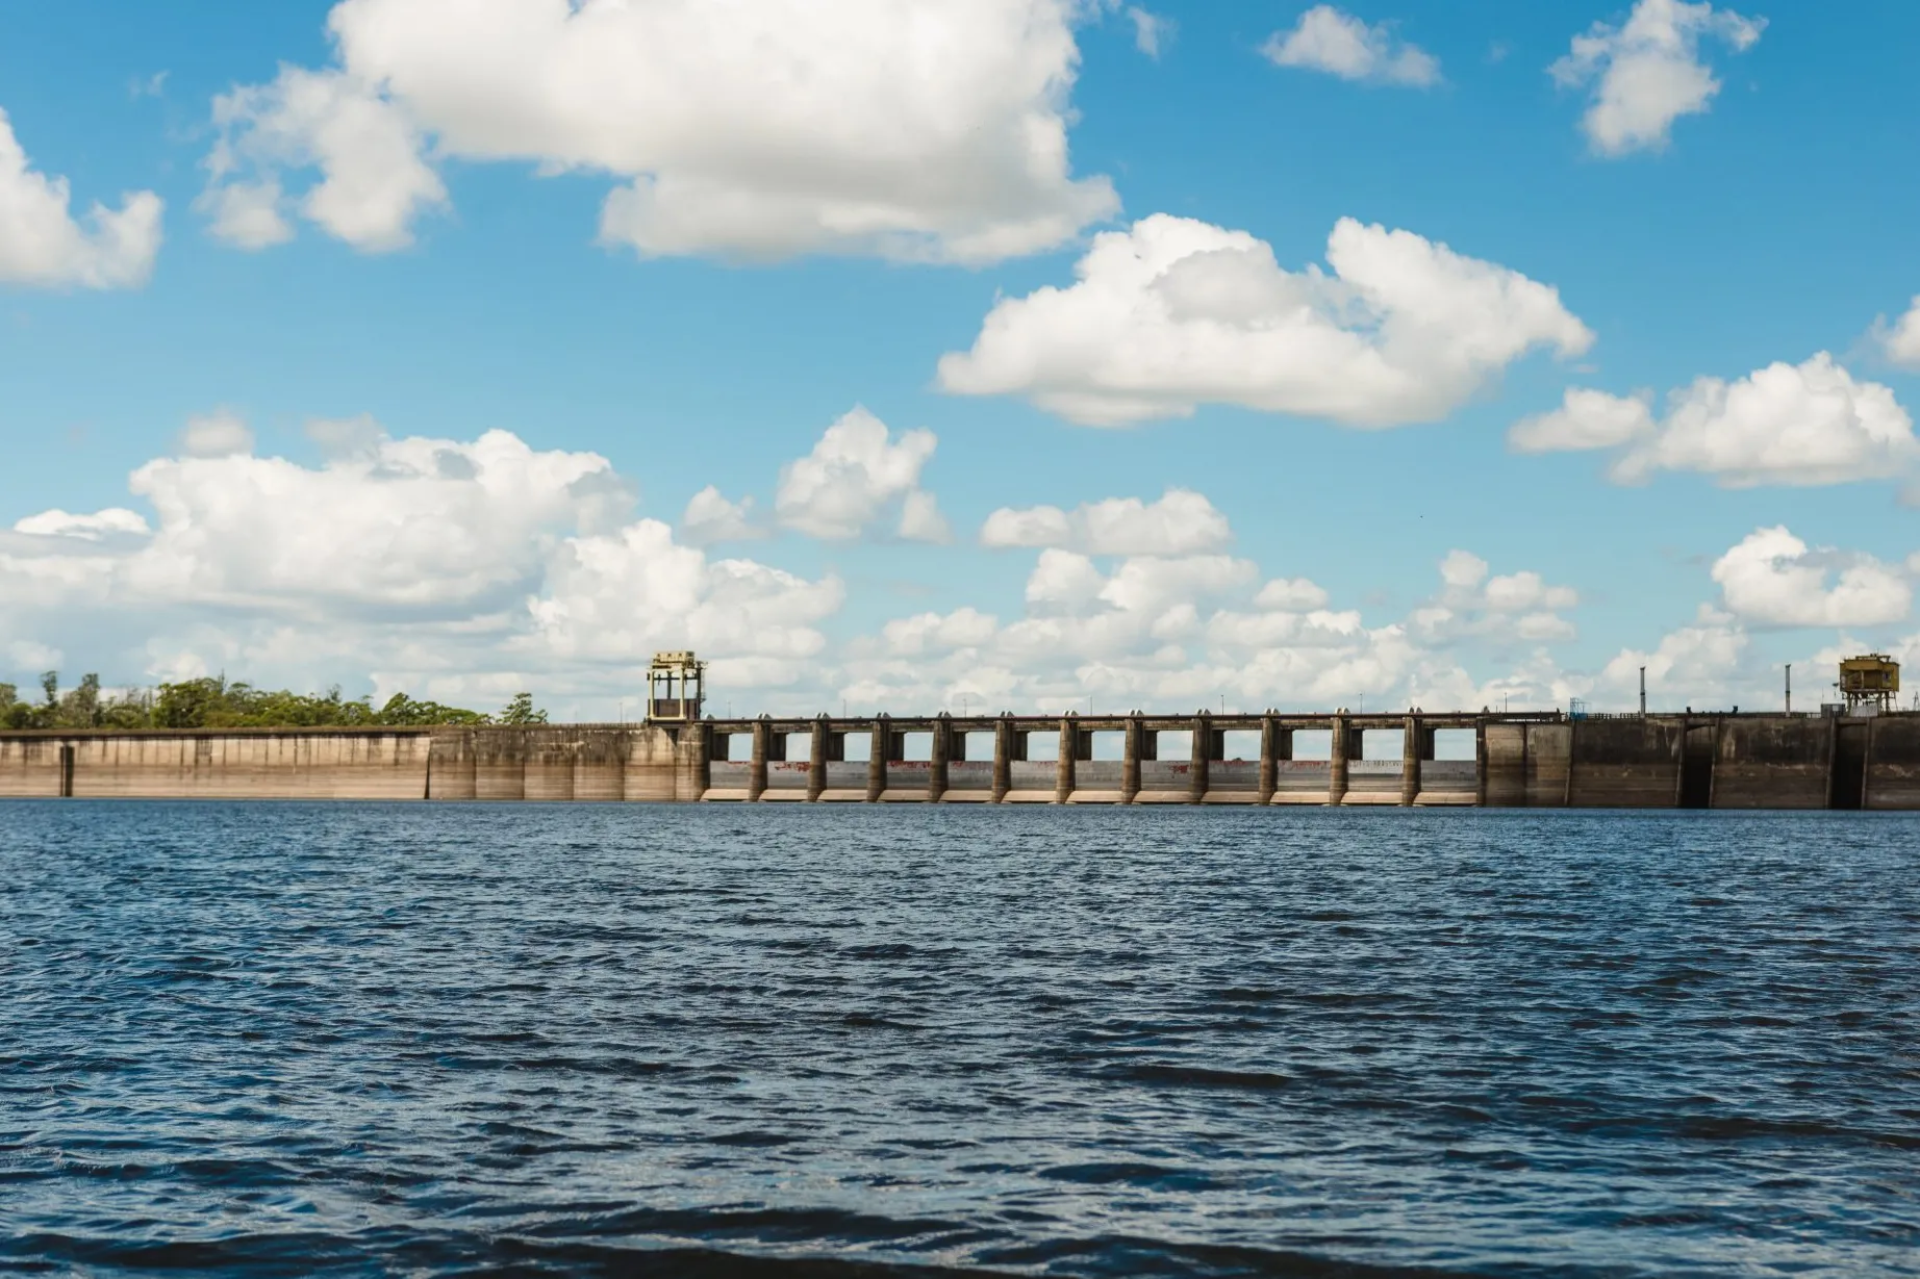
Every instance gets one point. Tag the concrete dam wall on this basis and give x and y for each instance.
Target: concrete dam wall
(1502, 761)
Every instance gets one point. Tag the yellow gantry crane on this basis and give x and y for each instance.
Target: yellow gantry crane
(1869, 683)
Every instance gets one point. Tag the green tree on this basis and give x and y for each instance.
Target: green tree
(212, 702)
(188, 703)
(520, 711)
(402, 711)
(133, 709)
(81, 707)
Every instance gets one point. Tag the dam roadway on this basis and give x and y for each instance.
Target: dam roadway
(1548, 760)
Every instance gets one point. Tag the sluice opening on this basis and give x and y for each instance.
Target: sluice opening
(1313, 745)
(1239, 745)
(1696, 768)
(1848, 780)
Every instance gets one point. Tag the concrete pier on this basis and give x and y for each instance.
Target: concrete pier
(1495, 761)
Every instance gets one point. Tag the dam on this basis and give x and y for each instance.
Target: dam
(1542, 760)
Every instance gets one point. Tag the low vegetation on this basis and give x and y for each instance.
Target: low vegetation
(215, 703)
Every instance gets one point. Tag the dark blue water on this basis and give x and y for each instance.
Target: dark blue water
(358, 1039)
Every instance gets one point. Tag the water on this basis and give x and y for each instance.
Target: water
(361, 1039)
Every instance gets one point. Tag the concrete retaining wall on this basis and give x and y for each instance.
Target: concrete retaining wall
(1772, 763)
(554, 763)
(1620, 763)
(1893, 763)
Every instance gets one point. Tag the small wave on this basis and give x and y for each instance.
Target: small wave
(1203, 1077)
(1143, 1175)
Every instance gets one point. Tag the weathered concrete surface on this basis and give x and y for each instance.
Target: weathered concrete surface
(1549, 763)
(1772, 763)
(30, 768)
(1449, 782)
(1372, 782)
(1893, 762)
(1624, 763)
(309, 764)
(550, 763)
(1503, 783)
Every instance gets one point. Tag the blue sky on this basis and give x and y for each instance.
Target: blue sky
(1761, 225)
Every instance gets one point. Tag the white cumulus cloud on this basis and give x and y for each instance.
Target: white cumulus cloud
(1180, 522)
(711, 518)
(1332, 40)
(617, 596)
(1900, 342)
(1186, 630)
(1475, 602)
(1805, 424)
(936, 632)
(1648, 72)
(374, 180)
(1586, 419)
(1174, 313)
(854, 476)
(457, 569)
(1690, 665)
(93, 527)
(1291, 595)
(1772, 578)
(417, 524)
(935, 130)
(43, 244)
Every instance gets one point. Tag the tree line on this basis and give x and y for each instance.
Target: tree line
(214, 703)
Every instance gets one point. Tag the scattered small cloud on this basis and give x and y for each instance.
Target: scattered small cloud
(216, 434)
(1648, 71)
(1151, 32)
(1334, 41)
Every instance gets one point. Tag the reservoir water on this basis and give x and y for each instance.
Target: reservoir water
(290, 1039)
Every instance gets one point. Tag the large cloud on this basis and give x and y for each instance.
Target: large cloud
(1328, 39)
(857, 475)
(451, 566)
(616, 596)
(1772, 578)
(1810, 423)
(414, 524)
(1648, 72)
(935, 130)
(1184, 630)
(1176, 313)
(41, 243)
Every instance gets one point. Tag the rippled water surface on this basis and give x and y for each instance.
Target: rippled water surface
(358, 1039)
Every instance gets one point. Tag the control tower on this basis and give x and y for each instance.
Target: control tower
(1869, 683)
(676, 687)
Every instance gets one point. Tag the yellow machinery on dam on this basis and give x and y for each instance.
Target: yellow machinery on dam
(1869, 683)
